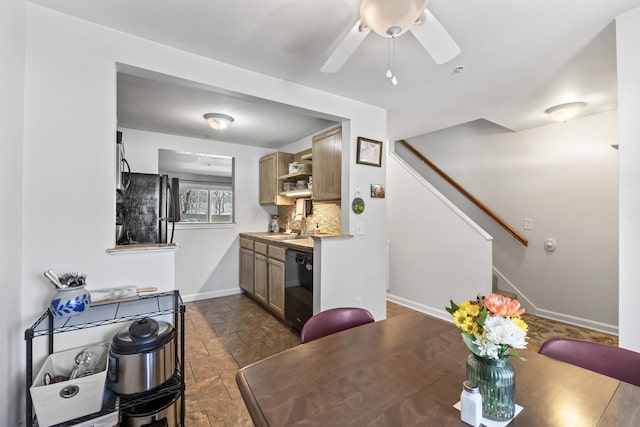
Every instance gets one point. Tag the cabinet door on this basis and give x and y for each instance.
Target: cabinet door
(268, 180)
(271, 167)
(276, 286)
(327, 165)
(261, 277)
(246, 270)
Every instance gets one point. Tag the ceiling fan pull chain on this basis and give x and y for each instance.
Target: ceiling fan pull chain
(389, 74)
(394, 80)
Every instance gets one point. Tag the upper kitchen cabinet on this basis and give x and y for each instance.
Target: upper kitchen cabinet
(327, 164)
(272, 167)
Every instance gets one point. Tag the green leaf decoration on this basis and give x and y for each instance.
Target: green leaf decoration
(483, 316)
(454, 307)
(515, 353)
(468, 340)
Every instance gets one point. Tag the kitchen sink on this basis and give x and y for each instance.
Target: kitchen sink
(285, 237)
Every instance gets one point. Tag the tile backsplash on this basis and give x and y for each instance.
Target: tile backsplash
(325, 214)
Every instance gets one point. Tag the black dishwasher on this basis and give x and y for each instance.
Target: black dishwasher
(298, 291)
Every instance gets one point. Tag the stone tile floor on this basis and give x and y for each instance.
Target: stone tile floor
(225, 334)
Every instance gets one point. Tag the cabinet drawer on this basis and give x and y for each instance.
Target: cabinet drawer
(276, 252)
(261, 248)
(246, 243)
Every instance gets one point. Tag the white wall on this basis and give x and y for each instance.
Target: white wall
(627, 36)
(69, 154)
(564, 177)
(437, 253)
(207, 261)
(12, 46)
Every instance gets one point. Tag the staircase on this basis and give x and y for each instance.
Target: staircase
(436, 252)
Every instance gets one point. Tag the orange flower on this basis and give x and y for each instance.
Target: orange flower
(502, 306)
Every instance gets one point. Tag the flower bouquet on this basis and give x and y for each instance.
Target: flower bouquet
(492, 329)
(491, 326)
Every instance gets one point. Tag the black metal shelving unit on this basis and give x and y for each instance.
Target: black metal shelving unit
(146, 306)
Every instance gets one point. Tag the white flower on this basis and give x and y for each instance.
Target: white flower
(499, 332)
(487, 348)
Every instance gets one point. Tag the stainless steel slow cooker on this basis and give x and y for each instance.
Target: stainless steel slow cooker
(142, 356)
(161, 412)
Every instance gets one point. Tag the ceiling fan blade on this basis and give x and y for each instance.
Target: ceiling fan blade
(345, 49)
(435, 39)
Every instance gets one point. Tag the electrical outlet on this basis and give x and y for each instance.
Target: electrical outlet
(361, 229)
(358, 301)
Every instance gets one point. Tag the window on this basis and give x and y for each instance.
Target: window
(202, 202)
(205, 185)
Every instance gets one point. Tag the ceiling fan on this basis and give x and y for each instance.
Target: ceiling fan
(390, 19)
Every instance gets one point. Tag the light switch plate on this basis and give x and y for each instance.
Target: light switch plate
(528, 223)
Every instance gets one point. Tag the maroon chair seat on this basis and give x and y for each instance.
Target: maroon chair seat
(615, 362)
(334, 320)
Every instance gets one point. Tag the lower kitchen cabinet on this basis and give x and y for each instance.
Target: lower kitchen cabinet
(246, 270)
(262, 271)
(276, 286)
(261, 278)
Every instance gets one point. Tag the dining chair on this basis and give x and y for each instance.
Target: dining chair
(615, 362)
(334, 320)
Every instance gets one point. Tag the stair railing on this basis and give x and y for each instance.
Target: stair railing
(502, 223)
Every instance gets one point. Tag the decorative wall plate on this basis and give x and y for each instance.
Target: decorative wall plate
(357, 205)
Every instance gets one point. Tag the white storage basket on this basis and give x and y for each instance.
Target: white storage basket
(62, 401)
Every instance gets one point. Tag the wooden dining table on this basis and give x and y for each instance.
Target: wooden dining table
(408, 371)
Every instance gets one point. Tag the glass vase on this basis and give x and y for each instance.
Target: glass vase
(496, 380)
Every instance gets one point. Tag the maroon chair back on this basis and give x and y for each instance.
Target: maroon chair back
(608, 360)
(334, 320)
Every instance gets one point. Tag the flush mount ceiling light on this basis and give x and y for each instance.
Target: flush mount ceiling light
(218, 121)
(565, 112)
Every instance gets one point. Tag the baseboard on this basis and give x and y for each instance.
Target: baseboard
(552, 315)
(431, 311)
(212, 294)
(578, 321)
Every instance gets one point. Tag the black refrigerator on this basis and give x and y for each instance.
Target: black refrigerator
(145, 207)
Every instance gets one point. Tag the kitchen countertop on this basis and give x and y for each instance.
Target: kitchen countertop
(289, 240)
(143, 247)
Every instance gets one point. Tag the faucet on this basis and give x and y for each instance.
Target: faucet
(303, 224)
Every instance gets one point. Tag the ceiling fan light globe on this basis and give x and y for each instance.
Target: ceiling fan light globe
(381, 15)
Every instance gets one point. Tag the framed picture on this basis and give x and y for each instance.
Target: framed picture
(377, 191)
(369, 152)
